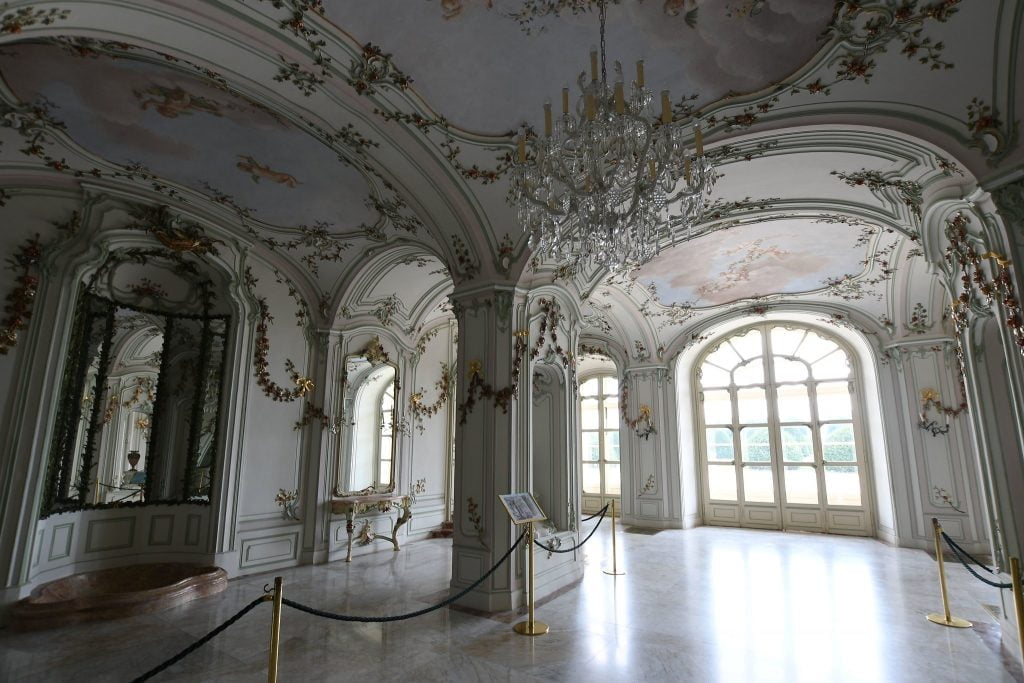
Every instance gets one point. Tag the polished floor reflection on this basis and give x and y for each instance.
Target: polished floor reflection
(707, 604)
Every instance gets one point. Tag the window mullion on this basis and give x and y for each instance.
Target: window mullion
(774, 426)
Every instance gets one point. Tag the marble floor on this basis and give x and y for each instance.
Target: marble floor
(707, 604)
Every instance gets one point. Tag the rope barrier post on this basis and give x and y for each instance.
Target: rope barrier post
(615, 552)
(530, 627)
(945, 619)
(275, 630)
(1018, 603)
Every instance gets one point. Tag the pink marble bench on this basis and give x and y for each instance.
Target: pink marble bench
(115, 593)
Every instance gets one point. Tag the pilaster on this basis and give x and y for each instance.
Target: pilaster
(487, 449)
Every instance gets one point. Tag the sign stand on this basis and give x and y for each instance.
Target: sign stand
(523, 509)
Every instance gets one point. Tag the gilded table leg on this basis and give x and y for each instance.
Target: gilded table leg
(402, 519)
(349, 527)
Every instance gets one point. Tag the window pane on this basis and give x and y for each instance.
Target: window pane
(611, 480)
(588, 413)
(725, 357)
(748, 344)
(591, 387)
(611, 413)
(842, 485)
(591, 446)
(785, 341)
(722, 482)
(801, 485)
(751, 372)
(717, 408)
(833, 366)
(815, 347)
(713, 376)
(591, 474)
(757, 484)
(611, 445)
(837, 443)
(789, 370)
(794, 404)
(753, 409)
(754, 444)
(797, 445)
(720, 444)
(611, 386)
(834, 401)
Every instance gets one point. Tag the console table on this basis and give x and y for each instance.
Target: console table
(357, 504)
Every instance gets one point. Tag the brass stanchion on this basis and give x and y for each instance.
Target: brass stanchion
(615, 552)
(1018, 603)
(945, 619)
(275, 631)
(530, 627)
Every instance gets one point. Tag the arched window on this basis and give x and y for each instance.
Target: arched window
(387, 434)
(781, 444)
(599, 428)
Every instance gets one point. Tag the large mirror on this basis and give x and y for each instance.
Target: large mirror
(370, 385)
(139, 408)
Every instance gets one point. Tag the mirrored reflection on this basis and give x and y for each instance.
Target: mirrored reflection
(139, 407)
(127, 420)
(369, 441)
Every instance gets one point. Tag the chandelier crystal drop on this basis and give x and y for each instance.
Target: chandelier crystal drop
(609, 181)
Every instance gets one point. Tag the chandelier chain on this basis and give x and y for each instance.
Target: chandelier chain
(602, 10)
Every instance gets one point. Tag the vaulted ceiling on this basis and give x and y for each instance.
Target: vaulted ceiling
(365, 146)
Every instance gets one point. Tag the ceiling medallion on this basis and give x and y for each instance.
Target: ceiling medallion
(609, 182)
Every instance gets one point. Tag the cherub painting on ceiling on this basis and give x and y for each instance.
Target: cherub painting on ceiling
(453, 8)
(530, 10)
(175, 101)
(752, 255)
(190, 130)
(256, 170)
(740, 262)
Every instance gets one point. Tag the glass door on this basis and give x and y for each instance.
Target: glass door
(780, 446)
(600, 471)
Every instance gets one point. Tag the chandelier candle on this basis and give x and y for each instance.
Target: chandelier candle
(610, 181)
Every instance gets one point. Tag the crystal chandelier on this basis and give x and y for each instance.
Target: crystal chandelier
(609, 181)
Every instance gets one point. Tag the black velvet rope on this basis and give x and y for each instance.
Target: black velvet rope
(964, 553)
(409, 615)
(580, 544)
(199, 643)
(596, 514)
(957, 550)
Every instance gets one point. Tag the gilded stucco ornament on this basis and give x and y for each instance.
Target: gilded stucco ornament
(988, 132)
(25, 263)
(14, 21)
(648, 487)
(1009, 199)
(173, 231)
(374, 68)
(303, 385)
(643, 424)
(374, 352)
(288, 501)
(962, 255)
(421, 410)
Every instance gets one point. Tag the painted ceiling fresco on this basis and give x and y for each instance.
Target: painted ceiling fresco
(775, 257)
(190, 132)
(488, 64)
